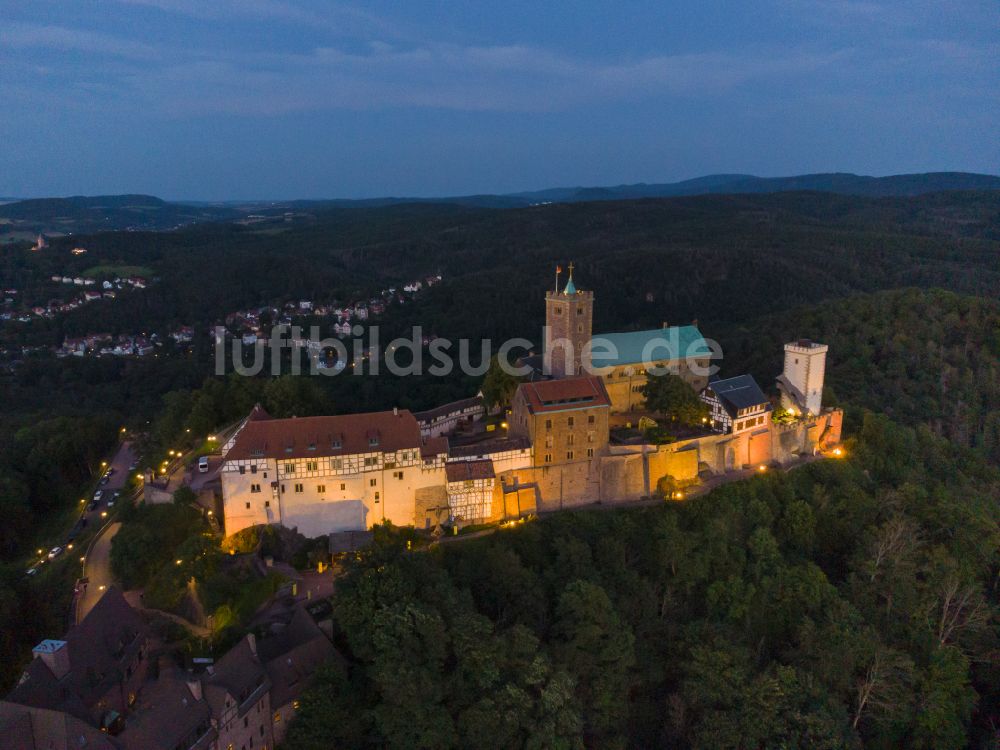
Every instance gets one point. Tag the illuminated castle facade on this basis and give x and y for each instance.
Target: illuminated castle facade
(349, 472)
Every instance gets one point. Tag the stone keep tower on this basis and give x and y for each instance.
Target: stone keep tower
(801, 382)
(569, 321)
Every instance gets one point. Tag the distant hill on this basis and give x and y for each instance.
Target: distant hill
(103, 212)
(843, 183)
(85, 214)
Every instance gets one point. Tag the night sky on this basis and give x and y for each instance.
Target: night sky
(231, 99)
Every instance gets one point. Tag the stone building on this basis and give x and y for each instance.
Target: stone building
(622, 360)
(346, 473)
(569, 320)
(566, 423)
(325, 474)
(801, 382)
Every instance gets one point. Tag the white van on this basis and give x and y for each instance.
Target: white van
(203, 464)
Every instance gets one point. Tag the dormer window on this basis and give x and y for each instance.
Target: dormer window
(336, 445)
(312, 446)
(373, 441)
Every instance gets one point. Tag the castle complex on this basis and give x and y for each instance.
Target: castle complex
(561, 447)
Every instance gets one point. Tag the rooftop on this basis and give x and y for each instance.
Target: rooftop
(445, 410)
(642, 347)
(463, 471)
(741, 392)
(344, 434)
(562, 395)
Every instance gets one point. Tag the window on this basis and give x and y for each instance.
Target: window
(338, 464)
(376, 497)
(253, 469)
(255, 488)
(371, 461)
(321, 488)
(312, 465)
(590, 452)
(289, 468)
(569, 439)
(590, 436)
(373, 441)
(548, 424)
(591, 419)
(298, 487)
(548, 458)
(336, 445)
(295, 705)
(569, 455)
(277, 717)
(248, 506)
(579, 311)
(343, 486)
(267, 503)
(372, 482)
(397, 474)
(570, 421)
(243, 470)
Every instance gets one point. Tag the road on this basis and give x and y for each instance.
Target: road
(97, 567)
(97, 570)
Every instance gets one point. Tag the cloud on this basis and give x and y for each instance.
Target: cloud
(330, 17)
(27, 36)
(517, 78)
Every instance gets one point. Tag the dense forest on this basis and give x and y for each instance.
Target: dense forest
(717, 258)
(843, 604)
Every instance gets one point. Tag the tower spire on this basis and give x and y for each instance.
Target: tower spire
(570, 286)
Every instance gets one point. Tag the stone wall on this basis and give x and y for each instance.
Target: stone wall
(629, 473)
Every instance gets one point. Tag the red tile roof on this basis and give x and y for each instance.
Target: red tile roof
(344, 434)
(461, 471)
(561, 395)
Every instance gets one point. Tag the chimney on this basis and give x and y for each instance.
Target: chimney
(194, 686)
(55, 654)
(395, 411)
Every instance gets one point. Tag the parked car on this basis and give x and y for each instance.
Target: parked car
(55, 552)
(92, 506)
(31, 572)
(104, 479)
(98, 495)
(203, 464)
(111, 503)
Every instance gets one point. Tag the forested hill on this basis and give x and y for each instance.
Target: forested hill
(843, 183)
(923, 357)
(81, 214)
(715, 258)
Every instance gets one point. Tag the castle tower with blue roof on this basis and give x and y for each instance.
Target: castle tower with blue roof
(569, 320)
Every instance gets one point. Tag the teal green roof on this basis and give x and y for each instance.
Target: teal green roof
(677, 342)
(570, 287)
